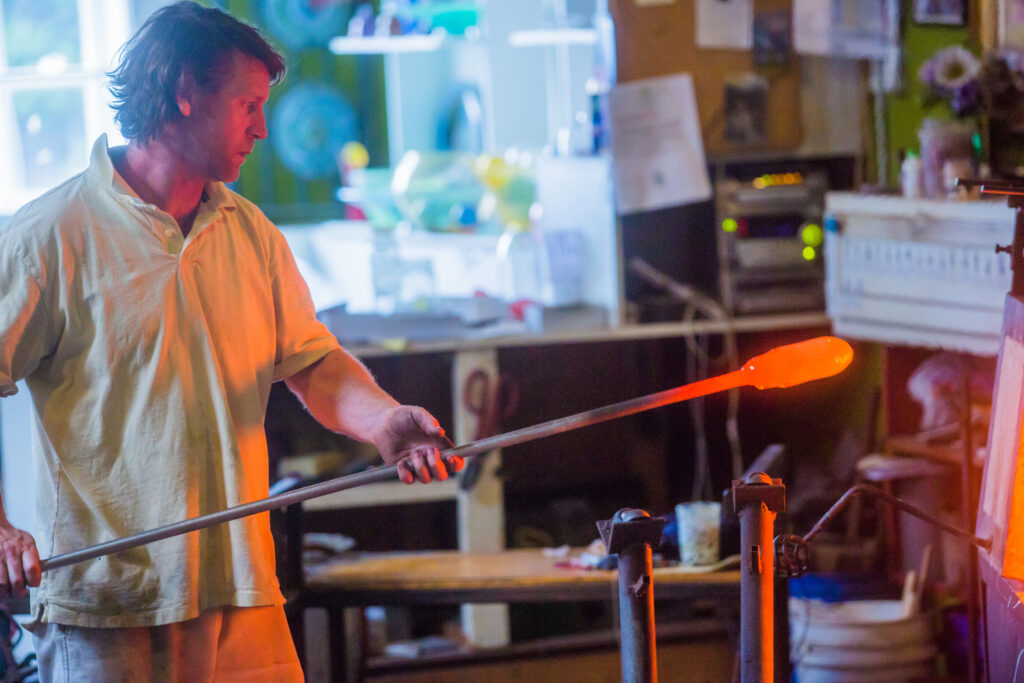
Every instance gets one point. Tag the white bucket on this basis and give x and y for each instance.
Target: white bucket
(859, 641)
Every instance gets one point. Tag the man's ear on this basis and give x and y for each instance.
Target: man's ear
(184, 93)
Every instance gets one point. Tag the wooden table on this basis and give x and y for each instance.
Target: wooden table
(452, 577)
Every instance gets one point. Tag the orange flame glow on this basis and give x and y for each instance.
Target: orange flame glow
(792, 364)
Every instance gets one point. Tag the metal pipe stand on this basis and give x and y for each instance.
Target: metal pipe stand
(630, 534)
(758, 499)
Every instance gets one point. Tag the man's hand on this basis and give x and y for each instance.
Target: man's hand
(412, 438)
(19, 562)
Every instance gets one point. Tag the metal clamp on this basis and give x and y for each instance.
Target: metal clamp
(792, 557)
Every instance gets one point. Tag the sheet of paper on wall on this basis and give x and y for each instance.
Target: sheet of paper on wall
(725, 24)
(859, 29)
(657, 145)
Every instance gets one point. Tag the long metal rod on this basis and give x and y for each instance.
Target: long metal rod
(876, 492)
(711, 385)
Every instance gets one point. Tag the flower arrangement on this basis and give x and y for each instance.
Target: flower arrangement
(992, 86)
(990, 89)
(952, 74)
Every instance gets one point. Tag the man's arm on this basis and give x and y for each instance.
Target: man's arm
(341, 394)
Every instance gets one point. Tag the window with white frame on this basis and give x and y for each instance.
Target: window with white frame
(54, 102)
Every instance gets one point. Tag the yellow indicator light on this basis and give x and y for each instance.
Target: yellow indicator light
(730, 225)
(809, 253)
(760, 183)
(812, 235)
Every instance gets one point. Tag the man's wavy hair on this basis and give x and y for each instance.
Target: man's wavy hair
(183, 38)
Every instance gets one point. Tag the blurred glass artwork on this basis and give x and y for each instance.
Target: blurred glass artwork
(439, 191)
(41, 31)
(52, 132)
(444, 191)
(305, 23)
(309, 125)
(511, 185)
(369, 189)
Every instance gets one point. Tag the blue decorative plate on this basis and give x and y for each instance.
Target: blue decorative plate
(305, 23)
(308, 127)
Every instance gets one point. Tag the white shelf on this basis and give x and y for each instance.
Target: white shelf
(378, 45)
(552, 36)
(632, 332)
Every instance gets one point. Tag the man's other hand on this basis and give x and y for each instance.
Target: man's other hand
(412, 438)
(19, 562)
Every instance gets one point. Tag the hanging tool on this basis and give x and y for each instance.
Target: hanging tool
(783, 366)
(491, 402)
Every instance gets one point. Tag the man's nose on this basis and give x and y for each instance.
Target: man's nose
(259, 127)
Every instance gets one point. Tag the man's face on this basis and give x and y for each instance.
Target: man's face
(225, 120)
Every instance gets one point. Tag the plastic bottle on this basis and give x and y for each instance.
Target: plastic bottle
(519, 253)
(911, 176)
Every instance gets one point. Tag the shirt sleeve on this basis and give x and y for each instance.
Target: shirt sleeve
(301, 338)
(26, 329)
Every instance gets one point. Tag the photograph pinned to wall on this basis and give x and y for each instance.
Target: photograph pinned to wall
(943, 12)
(746, 104)
(773, 37)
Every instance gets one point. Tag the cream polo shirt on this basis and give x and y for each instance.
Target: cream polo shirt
(149, 358)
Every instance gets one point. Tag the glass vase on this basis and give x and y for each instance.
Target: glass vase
(942, 141)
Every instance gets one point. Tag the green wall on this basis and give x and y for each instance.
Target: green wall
(905, 110)
(283, 196)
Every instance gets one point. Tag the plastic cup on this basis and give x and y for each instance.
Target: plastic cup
(698, 532)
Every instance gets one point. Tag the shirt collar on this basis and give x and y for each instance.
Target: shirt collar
(215, 193)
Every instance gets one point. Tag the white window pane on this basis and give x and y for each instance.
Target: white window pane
(37, 29)
(51, 127)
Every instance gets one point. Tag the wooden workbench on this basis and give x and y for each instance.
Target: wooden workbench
(523, 575)
(451, 577)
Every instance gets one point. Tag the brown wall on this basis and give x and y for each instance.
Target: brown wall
(655, 40)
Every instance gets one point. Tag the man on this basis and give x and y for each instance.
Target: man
(149, 309)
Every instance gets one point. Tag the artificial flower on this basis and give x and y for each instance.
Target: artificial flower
(950, 69)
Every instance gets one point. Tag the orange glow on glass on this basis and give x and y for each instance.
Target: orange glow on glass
(792, 364)
(783, 366)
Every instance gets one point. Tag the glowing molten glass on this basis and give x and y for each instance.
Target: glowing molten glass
(792, 364)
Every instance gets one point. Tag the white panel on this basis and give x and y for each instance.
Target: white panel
(923, 273)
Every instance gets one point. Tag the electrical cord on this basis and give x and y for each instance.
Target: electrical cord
(698, 363)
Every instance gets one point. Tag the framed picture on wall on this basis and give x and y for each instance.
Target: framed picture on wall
(944, 12)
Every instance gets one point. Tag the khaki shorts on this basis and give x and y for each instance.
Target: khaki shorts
(249, 644)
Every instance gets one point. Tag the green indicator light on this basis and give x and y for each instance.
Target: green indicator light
(730, 225)
(812, 235)
(809, 253)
